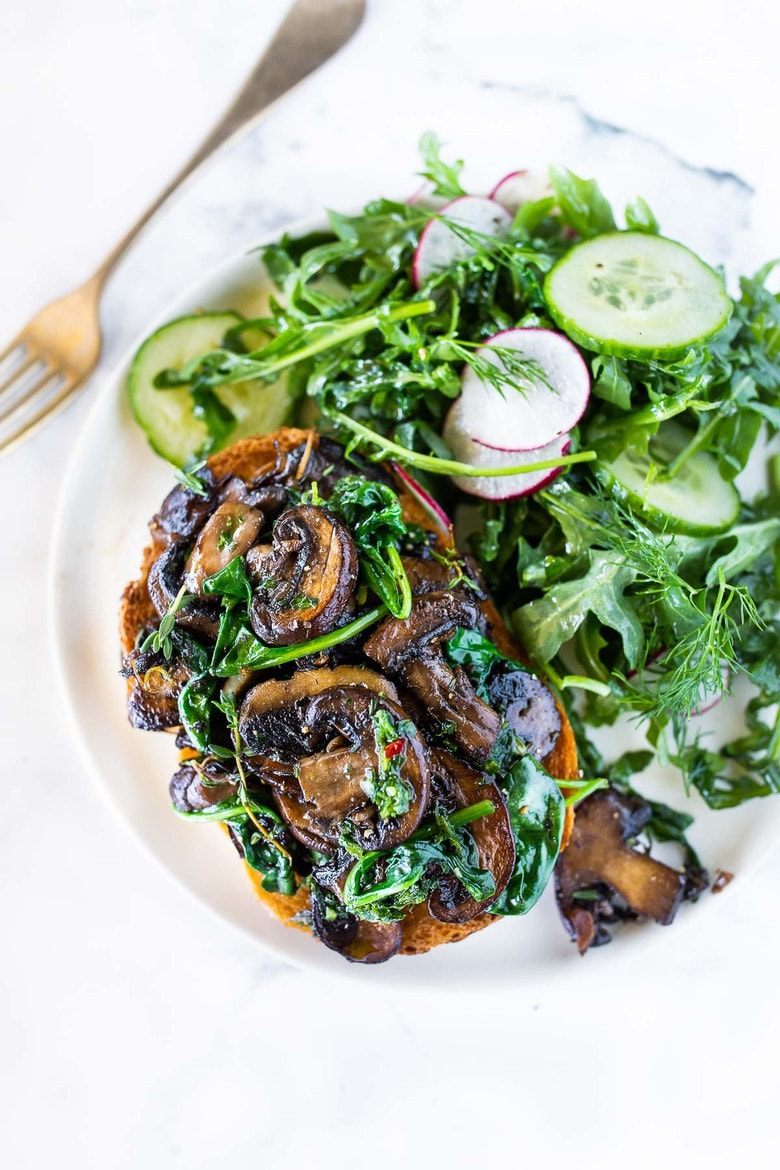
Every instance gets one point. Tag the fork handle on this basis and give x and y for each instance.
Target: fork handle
(311, 33)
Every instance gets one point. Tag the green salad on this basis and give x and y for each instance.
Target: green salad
(581, 396)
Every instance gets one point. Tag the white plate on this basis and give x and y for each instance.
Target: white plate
(115, 483)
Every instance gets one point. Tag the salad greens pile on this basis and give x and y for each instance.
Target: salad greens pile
(625, 615)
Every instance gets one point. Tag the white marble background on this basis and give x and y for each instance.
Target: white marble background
(136, 1030)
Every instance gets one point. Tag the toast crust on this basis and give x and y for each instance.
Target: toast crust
(247, 458)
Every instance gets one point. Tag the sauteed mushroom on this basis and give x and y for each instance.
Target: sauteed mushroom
(194, 789)
(430, 575)
(330, 737)
(153, 701)
(228, 533)
(355, 939)
(527, 706)
(598, 855)
(183, 511)
(413, 650)
(305, 580)
(492, 835)
(165, 580)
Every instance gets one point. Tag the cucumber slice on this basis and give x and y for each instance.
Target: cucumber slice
(166, 415)
(636, 295)
(697, 501)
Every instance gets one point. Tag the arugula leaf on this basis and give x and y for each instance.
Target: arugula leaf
(545, 624)
(218, 419)
(611, 381)
(372, 512)
(731, 553)
(537, 813)
(444, 176)
(582, 204)
(639, 217)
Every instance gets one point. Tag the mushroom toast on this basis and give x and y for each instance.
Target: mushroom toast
(346, 700)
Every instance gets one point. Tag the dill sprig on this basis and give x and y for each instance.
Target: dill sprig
(513, 371)
(673, 681)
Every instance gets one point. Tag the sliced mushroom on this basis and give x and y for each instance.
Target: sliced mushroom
(355, 939)
(305, 579)
(153, 702)
(527, 706)
(413, 650)
(492, 835)
(194, 788)
(432, 574)
(228, 533)
(165, 579)
(279, 693)
(325, 464)
(598, 855)
(329, 734)
(427, 575)
(183, 511)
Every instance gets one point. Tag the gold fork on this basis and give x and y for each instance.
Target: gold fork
(58, 349)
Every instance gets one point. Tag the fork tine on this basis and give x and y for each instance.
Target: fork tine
(42, 401)
(13, 362)
(29, 376)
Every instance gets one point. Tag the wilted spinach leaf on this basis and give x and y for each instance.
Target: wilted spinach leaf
(537, 812)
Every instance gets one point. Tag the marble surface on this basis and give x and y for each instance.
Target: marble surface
(137, 1030)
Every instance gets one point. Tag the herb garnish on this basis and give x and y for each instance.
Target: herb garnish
(160, 640)
(385, 787)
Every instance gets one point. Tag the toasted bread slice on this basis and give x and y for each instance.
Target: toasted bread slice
(247, 459)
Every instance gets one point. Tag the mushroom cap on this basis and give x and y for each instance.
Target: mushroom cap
(166, 577)
(492, 835)
(354, 938)
(229, 532)
(155, 685)
(528, 706)
(413, 649)
(306, 580)
(194, 789)
(327, 731)
(598, 853)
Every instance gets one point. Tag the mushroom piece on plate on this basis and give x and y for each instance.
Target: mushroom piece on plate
(413, 649)
(332, 739)
(305, 580)
(493, 838)
(598, 855)
(357, 940)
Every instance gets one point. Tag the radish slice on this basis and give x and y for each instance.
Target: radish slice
(519, 187)
(499, 487)
(440, 246)
(434, 510)
(424, 197)
(535, 413)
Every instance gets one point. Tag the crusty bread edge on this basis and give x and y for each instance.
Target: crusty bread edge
(247, 458)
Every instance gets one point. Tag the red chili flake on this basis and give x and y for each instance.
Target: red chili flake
(394, 748)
